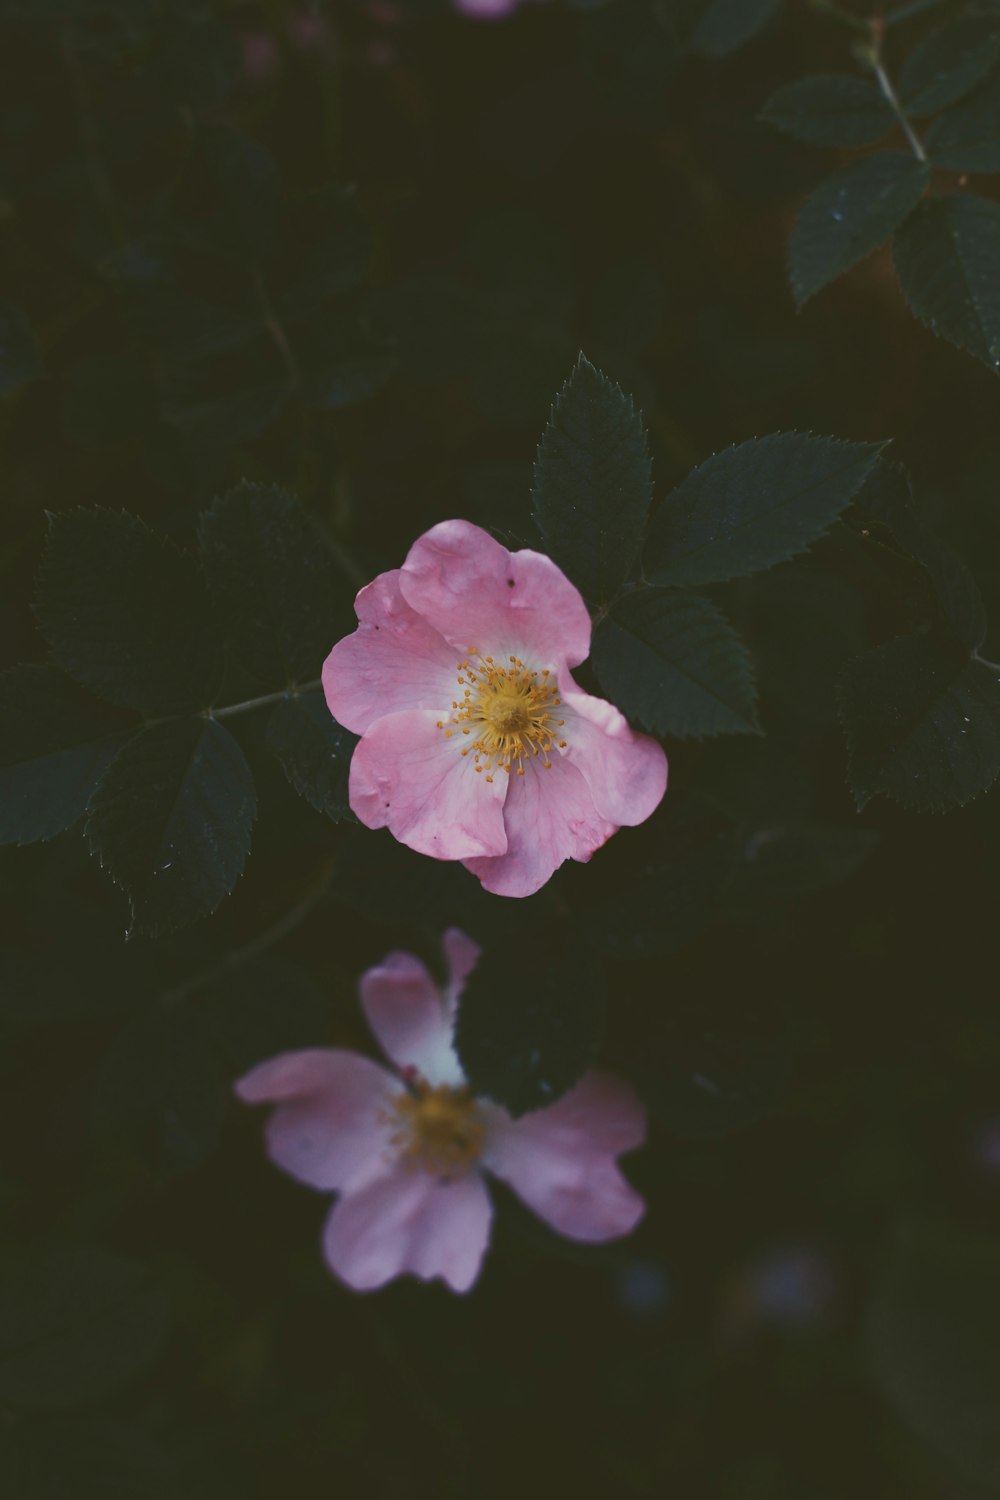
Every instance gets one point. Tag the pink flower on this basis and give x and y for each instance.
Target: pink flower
(476, 743)
(407, 1151)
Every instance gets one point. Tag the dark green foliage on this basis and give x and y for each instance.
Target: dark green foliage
(349, 259)
(933, 1331)
(593, 482)
(337, 258)
(967, 138)
(160, 1091)
(706, 1081)
(923, 724)
(170, 821)
(20, 356)
(125, 612)
(260, 1008)
(672, 661)
(273, 581)
(314, 750)
(658, 909)
(850, 215)
(339, 378)
(830, 109)
(55, 743)
(781, 865)
(754, 874)
(946, 258)
(715, 28)
(888, 498)
(949, 62)
(92, 1458)
(529, 1028)
(244, 192)
(75, 1325)
(752, 506)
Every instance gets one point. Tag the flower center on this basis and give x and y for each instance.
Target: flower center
(507, 712)
(437, 1129)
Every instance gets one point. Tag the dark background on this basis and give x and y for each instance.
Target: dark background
(811, 1306)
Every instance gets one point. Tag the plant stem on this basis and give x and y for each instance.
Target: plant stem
(275, 328)
(889, 94)
(251, 703)
(236, 957)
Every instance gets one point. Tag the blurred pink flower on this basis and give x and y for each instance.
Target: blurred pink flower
(487, 10)
(407, 1151)
(477, 745)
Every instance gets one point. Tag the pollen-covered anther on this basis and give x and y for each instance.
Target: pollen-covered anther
(508, 707)
(437, 1129)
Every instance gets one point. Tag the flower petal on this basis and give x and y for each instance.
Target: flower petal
(561, 1160)
(408, 777)
(477, 594)
(394, 660)
(328, 1129)
(462, 955)
(408, 1015)
(549, 817)
(410, 1221)
(626, 771)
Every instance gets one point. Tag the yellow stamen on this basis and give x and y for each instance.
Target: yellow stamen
(437, 1129)
(509, 710)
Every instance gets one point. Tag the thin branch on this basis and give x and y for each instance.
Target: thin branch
(275, 328)
(251, 703)
(874, 61)
(236, 957)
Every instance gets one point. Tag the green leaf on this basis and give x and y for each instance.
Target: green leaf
(933, 1334)
(20, 356)
(221, 408)
(55, 744)
(315, 752)
(273, 580)
(753, 505)
(722, 26)
(946, 257)
(949, 62)
(830, 109)
(76, 1325)
(967, 139)
(180, 325)
(673, 661)
(126, 613)
(593, 482)
(170, 821)
(161, 1089)
(888, 498)
(850, 215)
(336, 262)
(922, 723)
(245, 193)
(94, 1458)
(530, 1025)
(337, 380)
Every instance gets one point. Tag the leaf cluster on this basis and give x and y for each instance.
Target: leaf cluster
(946, 240)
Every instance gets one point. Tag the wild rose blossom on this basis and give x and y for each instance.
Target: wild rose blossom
(407, 1150)
(476, 743)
